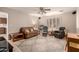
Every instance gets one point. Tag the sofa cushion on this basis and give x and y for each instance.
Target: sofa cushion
(32, 30)
(27, 31)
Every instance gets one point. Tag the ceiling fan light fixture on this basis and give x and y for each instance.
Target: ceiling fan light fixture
(36, 15)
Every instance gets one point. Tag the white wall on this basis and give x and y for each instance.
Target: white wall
(69, 21)
(16, 19)
(77, 21)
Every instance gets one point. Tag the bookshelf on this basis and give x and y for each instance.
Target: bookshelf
(3, 23)
(4, 31)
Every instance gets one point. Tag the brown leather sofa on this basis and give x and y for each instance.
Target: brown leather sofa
(29, 32)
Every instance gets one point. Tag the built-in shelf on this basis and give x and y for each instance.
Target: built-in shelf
(4, 30)
(3, 20)
(3, 23)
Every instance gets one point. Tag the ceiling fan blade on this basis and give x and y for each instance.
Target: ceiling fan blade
(47, 9)
(44, 10)
(41, 8)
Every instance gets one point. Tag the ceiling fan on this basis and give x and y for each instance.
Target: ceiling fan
(44, 10)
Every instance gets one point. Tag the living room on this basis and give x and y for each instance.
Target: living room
(46, 22)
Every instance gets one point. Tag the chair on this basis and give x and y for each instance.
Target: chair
(45, 30)
(60, 34)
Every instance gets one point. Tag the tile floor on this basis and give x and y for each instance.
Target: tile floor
(41, 44)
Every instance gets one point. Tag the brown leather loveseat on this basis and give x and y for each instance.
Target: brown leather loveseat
(29, 32)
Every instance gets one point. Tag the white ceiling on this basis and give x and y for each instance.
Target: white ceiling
(36, 9)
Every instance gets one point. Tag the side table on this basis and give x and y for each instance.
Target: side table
(50, 33)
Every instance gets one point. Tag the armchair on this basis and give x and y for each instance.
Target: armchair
(60, 34)
(45, 30)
